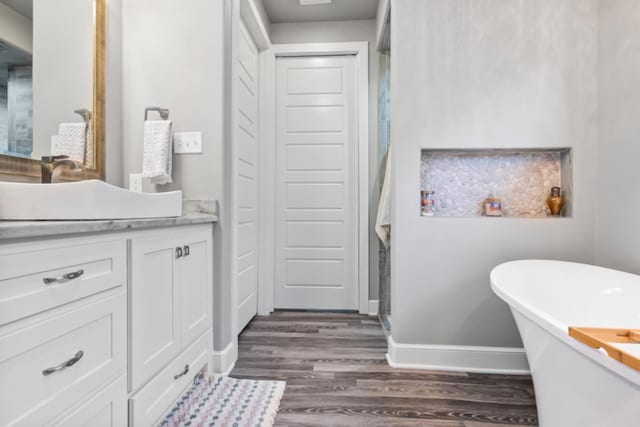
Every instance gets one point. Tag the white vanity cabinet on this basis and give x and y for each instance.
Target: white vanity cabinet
(103, 329)
(170, 303)
(63, 326)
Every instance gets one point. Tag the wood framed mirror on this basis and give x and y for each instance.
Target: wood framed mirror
(25, 166)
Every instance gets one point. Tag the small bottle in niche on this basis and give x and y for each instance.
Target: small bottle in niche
(555, 201)
(492, 206)
(427, 203)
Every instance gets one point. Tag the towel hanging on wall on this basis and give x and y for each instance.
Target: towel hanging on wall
(70, 141)
(383, 220)
(157, 151)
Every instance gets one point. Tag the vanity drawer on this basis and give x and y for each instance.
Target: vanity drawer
(94, 334)
(107, 408)
(35, 280)
(155, 399)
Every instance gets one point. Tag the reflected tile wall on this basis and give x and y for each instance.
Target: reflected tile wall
(20, 106)
(4, 120)
(4, 111)
(384, 139)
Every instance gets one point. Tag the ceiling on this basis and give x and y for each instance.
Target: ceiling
(23, 7)
(10, 55)
(338, 10)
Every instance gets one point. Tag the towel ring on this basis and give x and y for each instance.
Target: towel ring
(84, 113)
(164, 112)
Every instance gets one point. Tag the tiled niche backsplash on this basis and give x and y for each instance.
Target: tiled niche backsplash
(522, 179)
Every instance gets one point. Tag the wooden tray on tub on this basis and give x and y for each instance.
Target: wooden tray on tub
(607, 339)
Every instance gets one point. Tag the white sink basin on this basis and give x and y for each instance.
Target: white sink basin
(83, 200)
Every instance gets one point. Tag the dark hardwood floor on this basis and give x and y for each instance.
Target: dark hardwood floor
(336, 373)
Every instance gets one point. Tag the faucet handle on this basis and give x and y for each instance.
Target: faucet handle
(51, 159)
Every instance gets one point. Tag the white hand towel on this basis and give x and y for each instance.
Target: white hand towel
(383, 220)
(71, 141)
(157, 151)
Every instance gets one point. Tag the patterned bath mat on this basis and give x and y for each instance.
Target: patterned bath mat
(222, 401)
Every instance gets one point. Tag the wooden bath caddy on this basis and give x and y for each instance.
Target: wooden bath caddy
(607, 338)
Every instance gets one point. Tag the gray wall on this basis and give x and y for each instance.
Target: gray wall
(618, 199)
(174, 57)
(485, 74)
(348, 31)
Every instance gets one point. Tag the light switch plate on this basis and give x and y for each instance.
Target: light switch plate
(187, 142)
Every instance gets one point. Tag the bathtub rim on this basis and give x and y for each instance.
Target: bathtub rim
(557, 328)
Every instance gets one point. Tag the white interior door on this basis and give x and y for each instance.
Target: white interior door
(316, 183)
(246, 177)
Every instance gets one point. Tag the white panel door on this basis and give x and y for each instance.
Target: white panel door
(316, 184)
(246, 177)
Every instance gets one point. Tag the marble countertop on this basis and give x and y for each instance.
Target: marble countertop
(10, 230)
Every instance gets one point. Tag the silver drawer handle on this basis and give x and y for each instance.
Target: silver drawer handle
(183, 373)
(63, 278)
(64, 365)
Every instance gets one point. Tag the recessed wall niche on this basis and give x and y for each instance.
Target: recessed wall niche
(521, 178)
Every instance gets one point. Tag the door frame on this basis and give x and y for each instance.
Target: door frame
(267, 174)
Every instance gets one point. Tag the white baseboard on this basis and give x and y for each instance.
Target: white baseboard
(373, 307)
(485, 360)
(224, 361)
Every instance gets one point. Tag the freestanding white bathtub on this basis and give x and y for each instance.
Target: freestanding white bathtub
(575, 385)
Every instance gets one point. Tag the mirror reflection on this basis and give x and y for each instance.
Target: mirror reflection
(46, 78)
(16, 77)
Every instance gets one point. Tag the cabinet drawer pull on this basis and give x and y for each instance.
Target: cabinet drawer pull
(184, 372)
(187, 250)
(64, 365)
(63, 278)
(178, 252)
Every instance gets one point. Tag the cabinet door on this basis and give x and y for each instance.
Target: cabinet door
(154, 307)
(195, 282)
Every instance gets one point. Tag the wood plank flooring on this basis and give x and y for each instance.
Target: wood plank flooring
(337, 375)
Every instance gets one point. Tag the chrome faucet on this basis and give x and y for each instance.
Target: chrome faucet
(52, 164)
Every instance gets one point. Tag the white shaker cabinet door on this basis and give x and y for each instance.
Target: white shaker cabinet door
(154, 307)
